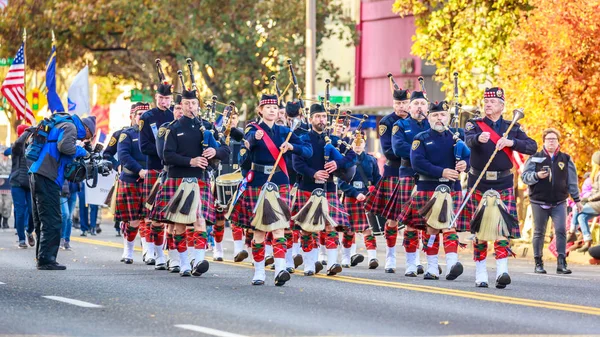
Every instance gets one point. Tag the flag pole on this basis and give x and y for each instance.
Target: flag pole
(25, 72)
(56, 69)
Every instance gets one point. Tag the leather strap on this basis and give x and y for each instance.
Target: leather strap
(272, 148)
(495, 137)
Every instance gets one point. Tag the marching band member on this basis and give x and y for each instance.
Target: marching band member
(355, 194)
(130, 201)
(483, 136)
(317, 173)
(190, 199)
(150, 122)
(265, 141)
(433, 158)
(377, 201)
(403, 133)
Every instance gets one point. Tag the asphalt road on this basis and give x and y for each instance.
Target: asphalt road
(135, 300)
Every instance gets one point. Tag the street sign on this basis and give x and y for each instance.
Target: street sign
(141, 96)
(340, 100)
(6, 62)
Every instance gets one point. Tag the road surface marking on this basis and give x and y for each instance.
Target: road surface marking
(207, 331)
(420, 288)
(74, 302)
(2, 283)
(557, 276)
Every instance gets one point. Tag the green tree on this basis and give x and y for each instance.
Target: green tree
(464, 36)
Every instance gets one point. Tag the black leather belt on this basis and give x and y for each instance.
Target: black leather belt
(266, 169)
(491, 175)
(405, 163)
(393, 164)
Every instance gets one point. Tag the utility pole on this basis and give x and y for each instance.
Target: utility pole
(311, 48)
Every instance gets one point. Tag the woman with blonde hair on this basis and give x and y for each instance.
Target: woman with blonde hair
(591, 203)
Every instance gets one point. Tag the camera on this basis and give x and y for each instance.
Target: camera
(86, 169)
(546, 169)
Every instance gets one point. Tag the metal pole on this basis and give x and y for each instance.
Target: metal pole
(311, 47)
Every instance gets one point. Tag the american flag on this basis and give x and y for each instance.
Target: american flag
(13, 88)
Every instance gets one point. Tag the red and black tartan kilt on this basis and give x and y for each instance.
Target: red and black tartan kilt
(167, 192)
(220, 214)
(336, 209)
(149, 180)
(242, 215)
(357, 214)
(410, 212)
(508, 197)
(400, 197)
(378, 199)
(130, 202)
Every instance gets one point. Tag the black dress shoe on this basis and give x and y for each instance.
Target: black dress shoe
(356, 259)
(185, 273)
(390, 270)
(481, 284)
(258, 282)
(282, 278)
(218, 259)
(334, 269)
(290, 270)
(241, 256)
(269, 260)
(561, 266)
(323, 262)
(455, 271)
(128, 261)
(502, 281)
(122, 259)
(151, 262)
(83, 234)
(309, 273)
(420, 270)
(410, 274)
(51, 266)
(200, 268)
(175, 269)
(318, 267)
(160, 266)
(430, 276)
(373, 264)
(298, 260)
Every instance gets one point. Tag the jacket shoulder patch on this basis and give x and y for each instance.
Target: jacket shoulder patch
(382, 129)
(141, 124)
(395, 129)
(112, 142)
(122, 137)
(415, 144)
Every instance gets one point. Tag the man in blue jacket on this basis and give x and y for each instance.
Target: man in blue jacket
(46, 177)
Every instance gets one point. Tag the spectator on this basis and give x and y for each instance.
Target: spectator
(5, 197)
(552, 177)
(68, 197)
(586, 190)
(88, 214)
(591, 203)
(20, 192)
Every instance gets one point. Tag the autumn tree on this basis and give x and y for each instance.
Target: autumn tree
(552, 68)
(236, 44)
(466, 36)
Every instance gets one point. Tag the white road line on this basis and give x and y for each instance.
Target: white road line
(2, 283)
(74, 302)
(207, 331)
(558, 276)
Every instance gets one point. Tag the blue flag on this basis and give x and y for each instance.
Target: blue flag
(54, 103)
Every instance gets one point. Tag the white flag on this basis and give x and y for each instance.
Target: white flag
(79, 94)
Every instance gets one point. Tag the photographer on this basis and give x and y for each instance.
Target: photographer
(552, 177)
(57, 148)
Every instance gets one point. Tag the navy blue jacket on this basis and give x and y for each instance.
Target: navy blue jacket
(403, 133)
(111, 150)
(308, 166)
(132, 159)
(358, 184)
(150, 122)
(184, 141)
(259, 153)
(392, 165)
(431, 153)
(481, 153)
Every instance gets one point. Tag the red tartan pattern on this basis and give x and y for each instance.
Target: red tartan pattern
(242, 215)
(335, 209)
(220, 215)
(507, 196)
(399, 198)
(149, 181)
(410, 212)
(167, 192)
(130, 202)
(358, 216)
(376, 201)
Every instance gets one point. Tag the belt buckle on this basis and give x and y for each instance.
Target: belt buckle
(444, 180)
(235, 166)
(358, 184)
(491, 175)
(319, 181)
(268, 169)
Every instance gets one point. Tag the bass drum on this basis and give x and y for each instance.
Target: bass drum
(376, 223)
(227, 185)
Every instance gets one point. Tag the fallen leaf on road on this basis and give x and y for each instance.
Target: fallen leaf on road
(445, 322)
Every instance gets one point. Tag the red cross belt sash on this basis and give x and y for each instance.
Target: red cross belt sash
(273, 149)
(495, 137)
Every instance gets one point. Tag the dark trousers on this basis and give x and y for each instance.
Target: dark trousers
(558, 214)
(45, 195)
